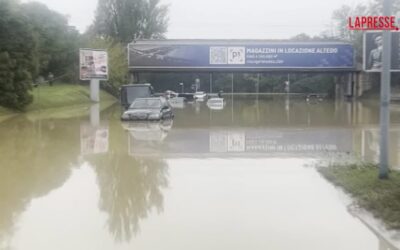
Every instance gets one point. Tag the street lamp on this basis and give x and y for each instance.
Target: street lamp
(182, 86)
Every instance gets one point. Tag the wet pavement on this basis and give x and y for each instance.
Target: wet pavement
(234, 177)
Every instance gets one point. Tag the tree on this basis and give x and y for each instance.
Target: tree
(57, 41)
(18, 56)
(126, 20)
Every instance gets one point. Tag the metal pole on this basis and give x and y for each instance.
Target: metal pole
(94, 90)
(385, 99)
(211, 82)
(232, 84)
(232, 97)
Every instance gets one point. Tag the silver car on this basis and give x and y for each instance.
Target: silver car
(153, 108)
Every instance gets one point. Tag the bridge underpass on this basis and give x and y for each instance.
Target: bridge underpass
(344, 84)
(185, 65)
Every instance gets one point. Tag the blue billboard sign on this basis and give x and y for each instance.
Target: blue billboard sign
(164, 55)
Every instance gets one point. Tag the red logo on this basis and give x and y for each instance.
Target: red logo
(372, 23)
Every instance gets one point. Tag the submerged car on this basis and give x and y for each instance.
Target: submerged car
(200, 95)
(216, 103)
(154, 108)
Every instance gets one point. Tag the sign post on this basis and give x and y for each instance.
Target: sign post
(93, 66)
(94, 90)
(385, 99)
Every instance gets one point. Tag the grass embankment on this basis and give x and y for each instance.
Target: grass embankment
(380, 197)
(59, 101)
(62, 95)
(5, 113)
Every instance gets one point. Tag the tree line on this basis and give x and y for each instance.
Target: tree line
(36, 42)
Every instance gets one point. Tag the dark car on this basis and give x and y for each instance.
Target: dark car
(153, 108)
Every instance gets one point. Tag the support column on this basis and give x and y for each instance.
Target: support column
(349, 86)
(94, 90)
(232, 83)
(211, 80)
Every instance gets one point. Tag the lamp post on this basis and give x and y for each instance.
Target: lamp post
(385, 99)
(182, 86)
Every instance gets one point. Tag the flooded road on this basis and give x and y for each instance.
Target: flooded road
(237, 177)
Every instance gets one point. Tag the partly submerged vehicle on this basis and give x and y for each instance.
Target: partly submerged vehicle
(130, 92)
(314, 97)
(170, 94)
(200, 95)
(216, 103)
(153, 108)
(189, 97)
(177, 102)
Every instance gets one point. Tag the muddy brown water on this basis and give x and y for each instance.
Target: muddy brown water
(231, 177)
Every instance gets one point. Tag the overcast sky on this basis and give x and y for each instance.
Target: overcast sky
(252, 19)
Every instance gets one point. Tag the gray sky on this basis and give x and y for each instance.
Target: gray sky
(253, 19)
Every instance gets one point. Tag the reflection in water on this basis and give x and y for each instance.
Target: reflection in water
(129, 190)
(36, 157)
(129, 187)
(130, 159)
(94, 139)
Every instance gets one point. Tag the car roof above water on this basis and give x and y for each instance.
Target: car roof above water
(150, 98)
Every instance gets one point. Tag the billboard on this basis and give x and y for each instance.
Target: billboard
(156, 55)
(93, 64)
(372, 59)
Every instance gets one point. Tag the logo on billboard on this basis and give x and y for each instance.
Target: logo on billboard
(236, 55)
(373, 46)
(227, 55)
(218, 55)
(93, 64)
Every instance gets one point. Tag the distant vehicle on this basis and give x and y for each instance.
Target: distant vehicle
(314, 97)
(213, 95)
(170, 94)
(132, 91)
(216, 103)
(200, 95)
(189, 97)
(154, 108)
(177, 102)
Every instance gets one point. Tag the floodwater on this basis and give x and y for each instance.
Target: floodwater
(234, 177)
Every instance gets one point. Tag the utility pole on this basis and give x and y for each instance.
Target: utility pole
(385, 99)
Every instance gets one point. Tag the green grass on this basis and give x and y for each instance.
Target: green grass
(380, 197)
(6, 113)
(59, 101)
(62, 95)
